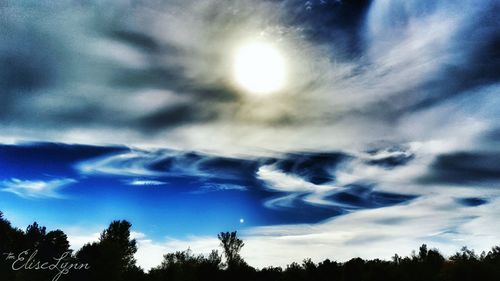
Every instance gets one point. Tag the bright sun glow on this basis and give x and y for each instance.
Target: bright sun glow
(259, 68)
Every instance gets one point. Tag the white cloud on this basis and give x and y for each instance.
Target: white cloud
(137, 235)
(36, 188)
(293, 186)
(79, 236)
(138, 162)
(377, 233)
(150, 253)
(141, 182)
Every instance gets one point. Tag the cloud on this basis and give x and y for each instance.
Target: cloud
(78, 237)
(137, 235)
(318, 180)
(211, 187)
(472, 201)
(384, 71)
(150, 253)
(140, 182)
(439, 222)
(164, 163)
(466, 168)
(36, 188)
(335, 180)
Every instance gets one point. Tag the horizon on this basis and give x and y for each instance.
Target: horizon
(176, 249)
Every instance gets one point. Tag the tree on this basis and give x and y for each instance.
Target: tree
(117, 238)
(112, 258)
(231, 245)
(185, 266)
(54, 244)
(11, 241)
(34, 235)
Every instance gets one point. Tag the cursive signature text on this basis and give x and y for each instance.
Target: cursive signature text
(26, 260)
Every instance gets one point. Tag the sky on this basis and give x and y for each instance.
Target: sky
(383, 135)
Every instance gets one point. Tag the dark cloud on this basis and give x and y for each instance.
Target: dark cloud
(314, 167)
(472, 201)
(492, 136)
(464, 168)
(139, 39)
(176, 115)
(364, 197)
(24, 72)
(198, 164)
(28, 63)
(230, 166)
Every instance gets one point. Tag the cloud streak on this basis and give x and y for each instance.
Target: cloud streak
(36, 188)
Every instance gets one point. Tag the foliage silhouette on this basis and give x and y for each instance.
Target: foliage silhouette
(111, 258)
(231, 245)
(186, 266)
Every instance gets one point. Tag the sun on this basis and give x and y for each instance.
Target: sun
(259, 68)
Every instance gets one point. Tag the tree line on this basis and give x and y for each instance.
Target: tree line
(36, 254)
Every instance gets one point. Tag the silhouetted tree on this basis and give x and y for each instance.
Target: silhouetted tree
(294, 272)
(55, 244)
(491, 262)
(329, 270)
(185, 266)
(464, 265)
(232, 246)
(270, 273)
(112, 257)
(34, 235)
(353, 270)
(11, 241)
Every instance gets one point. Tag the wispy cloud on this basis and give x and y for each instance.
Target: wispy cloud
(148, 163)
(214, 187)
(145, 182)
(36, 188)
(378, 233)
(294, 187)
